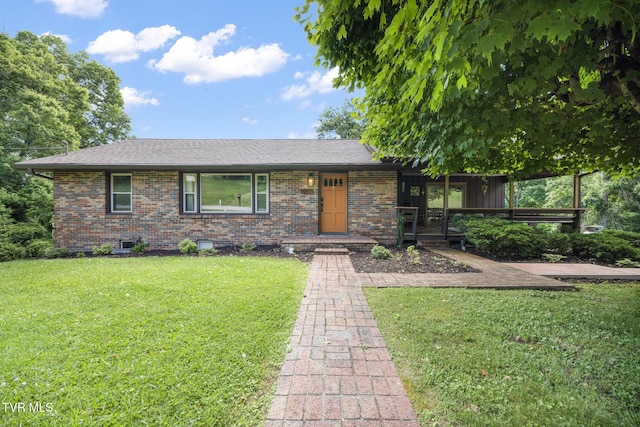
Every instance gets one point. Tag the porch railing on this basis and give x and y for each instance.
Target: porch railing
(533, 216)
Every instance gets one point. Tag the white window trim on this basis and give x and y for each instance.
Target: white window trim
(113, 193)
(257, 193)
(185, 193)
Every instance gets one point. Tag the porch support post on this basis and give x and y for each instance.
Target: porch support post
(577, 196)
(445, 213)
(576, 190)
(511, 194)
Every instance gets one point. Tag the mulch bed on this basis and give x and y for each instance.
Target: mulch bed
(401, 262)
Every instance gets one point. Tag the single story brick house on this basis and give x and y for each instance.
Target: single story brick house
(222, 192)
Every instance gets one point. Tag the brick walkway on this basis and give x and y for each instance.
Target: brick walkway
(339, 371)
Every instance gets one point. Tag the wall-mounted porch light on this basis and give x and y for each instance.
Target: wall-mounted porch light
(311, 180)
(485, 186)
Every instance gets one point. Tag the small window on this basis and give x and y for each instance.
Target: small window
(189, 184)
(205, 244)
(121, 193)
(126, 244)
(262, 193)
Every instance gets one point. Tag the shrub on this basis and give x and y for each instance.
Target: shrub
(503, 238)
(105, 249)
(208, 252)
(24, 233)
(627, 263)
(380, 252)
(558, 243)
(629, 236)
(554, 258)
(248, 247)
(38, 248)
(11, 251)
(139, 248)
(400, 226)
(57, 253)
(603, 247)
(188, 247)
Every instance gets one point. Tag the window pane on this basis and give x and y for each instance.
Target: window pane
(190, 202)
(121, 184)
(225, 193)
(189, 183)
(261, 181)
(262, 203)
(122, 202)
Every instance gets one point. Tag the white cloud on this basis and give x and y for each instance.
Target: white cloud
(81, 8)
(315, 82)
(249, 121)
(124, 46)
(133, 97)
(197, 60)
(65, 38)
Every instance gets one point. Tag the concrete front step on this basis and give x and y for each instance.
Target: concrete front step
(331, 251)
(311, 243)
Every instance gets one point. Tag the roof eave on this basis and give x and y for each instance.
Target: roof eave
(204, 167)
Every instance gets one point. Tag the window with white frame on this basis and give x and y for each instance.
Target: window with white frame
(225, 193)
(121, 193)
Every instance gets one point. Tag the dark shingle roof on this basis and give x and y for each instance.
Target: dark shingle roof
(213, 154)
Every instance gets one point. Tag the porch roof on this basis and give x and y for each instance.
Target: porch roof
(216, 154)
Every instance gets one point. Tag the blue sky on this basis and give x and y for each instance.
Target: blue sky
(195, 68)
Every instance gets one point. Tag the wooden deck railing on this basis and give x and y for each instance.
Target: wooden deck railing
(569, 216)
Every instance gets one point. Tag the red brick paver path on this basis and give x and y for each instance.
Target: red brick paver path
(339, 371)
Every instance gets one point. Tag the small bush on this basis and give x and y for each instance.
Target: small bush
(248, 247)
(627, 263)
(11, 251)
(208, 252)
(139, 248)
(414, 255)
(603, 247)
(57, 253)
(38, 248)
(188, 247)
(105, 249)
(554, 258)
(380, 252)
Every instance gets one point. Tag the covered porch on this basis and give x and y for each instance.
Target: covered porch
(429, 205)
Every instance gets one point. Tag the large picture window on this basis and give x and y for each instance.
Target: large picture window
(225, 193)
(121, 193)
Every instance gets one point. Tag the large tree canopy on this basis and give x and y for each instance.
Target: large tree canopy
(506, 86)
(345, 123)
(49, 95)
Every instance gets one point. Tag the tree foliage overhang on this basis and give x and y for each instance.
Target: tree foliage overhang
(507, 86)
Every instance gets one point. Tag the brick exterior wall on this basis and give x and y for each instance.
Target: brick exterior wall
(82, 220)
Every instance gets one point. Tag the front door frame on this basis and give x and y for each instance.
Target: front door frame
(323, 229)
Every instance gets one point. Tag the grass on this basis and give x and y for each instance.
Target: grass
(144, 341)
(516, 358)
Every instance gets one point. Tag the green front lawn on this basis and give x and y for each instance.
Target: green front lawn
(144, 341)
(516, 358)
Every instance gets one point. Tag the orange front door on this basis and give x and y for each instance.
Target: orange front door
(333, 203)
